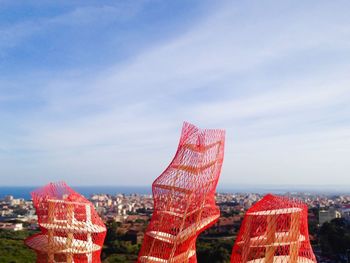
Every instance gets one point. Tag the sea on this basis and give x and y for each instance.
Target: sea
(87, 191)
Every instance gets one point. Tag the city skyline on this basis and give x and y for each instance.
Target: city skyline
(95, 93)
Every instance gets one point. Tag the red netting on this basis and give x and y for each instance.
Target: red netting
(71, 230)
(184, 197)
(275, 229)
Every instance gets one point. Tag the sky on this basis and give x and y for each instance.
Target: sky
(95, 92)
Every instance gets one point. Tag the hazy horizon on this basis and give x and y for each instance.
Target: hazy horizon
(95, 92)
(220, 186)
(24, 191)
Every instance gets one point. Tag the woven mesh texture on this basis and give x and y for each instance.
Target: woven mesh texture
(71, 230)
(184, 197)
(275, 229)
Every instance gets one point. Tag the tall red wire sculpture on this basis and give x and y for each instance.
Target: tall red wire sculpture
(184, 198)
(275, 229)
(71, 230)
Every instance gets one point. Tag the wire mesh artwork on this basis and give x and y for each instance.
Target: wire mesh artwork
(71, 230)
(184, 197)
(275, 229)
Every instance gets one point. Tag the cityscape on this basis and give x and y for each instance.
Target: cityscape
(94, 95)
(128, 216)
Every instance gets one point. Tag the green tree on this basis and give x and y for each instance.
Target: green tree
(13, 249)
(335, 237)
(214, 251)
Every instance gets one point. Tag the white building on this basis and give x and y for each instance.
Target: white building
(328, 215)
(11, 226)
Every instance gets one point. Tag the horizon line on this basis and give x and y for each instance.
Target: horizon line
(227, 186)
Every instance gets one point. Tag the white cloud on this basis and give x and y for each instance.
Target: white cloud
(14, 34)
(288, 127)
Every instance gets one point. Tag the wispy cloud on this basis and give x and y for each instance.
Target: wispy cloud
(275, 76)
(80, 17)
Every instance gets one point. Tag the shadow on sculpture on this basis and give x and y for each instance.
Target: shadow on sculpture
(184, 197)
(274, 230)
(71, 230)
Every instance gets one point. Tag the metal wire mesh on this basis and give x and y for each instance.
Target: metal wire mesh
(71, 230)
(275, 229)
(184, 197)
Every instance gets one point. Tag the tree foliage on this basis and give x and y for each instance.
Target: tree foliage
(335, 237)
(214, 251)
(12, 248)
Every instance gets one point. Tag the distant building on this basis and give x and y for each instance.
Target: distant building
(6, 212)
(16, 202)
(328, 215)
(8, 198)
(345, 212)
(11, 226)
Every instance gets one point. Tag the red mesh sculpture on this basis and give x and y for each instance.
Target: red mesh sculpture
(275, 229)
(71, 230)
(184, 197)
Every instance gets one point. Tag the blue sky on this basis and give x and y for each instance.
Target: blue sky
(95, 92)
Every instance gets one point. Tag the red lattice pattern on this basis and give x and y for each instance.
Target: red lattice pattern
(184, 197)
(71, 230)
(275, 229)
